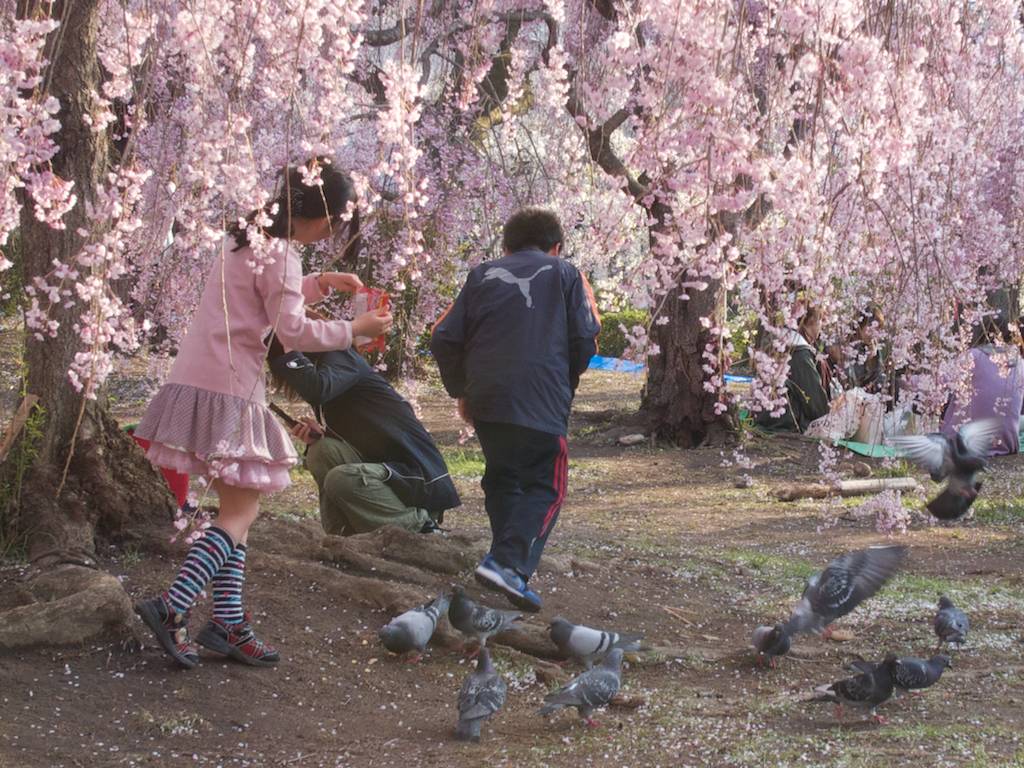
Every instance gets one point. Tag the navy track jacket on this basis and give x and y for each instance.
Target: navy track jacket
(516, 340)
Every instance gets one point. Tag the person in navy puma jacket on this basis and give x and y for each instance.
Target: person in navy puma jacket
(511, 349)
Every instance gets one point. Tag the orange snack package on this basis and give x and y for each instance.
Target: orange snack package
(365, 300)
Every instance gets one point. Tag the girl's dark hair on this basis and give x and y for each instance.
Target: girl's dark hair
(296, 200)
(531, 227)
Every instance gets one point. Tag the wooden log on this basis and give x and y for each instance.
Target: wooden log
(877, 485)
(845, 488)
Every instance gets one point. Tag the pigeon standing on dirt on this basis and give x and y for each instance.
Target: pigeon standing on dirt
(588, 690)
(412, 630)
(866, 690)
(586, 645)
(951, 624)
(910, 674)
(478, 621)
(771, 642)
(845, 583)
(482, 695)
(958, 458)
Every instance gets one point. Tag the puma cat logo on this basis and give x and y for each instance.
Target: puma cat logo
(500, 273)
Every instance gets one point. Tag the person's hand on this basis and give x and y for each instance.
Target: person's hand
(307, 430)
(372, 324)
(464, 413)
(339, 281)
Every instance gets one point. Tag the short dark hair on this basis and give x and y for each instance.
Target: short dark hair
(531, 228)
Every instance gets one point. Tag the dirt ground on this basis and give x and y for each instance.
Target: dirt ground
(685, 557)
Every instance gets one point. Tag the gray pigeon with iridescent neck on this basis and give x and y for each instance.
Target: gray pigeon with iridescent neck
(588, 690)
(845, 583)
(910, 674)
(951, 624)
(866, 690)
(478, 621)
(956, 459)
(586, 645)
(412, 630)
(482, 695)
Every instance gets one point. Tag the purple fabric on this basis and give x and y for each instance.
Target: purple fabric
(997, 390)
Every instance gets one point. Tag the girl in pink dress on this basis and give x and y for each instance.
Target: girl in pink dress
(210, 417)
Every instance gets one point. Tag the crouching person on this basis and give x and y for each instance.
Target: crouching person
(373, 461)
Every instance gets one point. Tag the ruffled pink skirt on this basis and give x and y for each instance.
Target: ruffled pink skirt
(199, 432)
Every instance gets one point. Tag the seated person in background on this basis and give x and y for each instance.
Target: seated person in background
(996, 386)
(862, 363)
(807, 387)
(374, 462)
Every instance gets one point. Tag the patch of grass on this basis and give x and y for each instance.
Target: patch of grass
(174, 725)
(464, 462)
(999, 511)
(775, 566)
(131, 556)
(899, 468)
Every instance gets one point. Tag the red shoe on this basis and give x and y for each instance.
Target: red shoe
(170, 629)
(238, 642)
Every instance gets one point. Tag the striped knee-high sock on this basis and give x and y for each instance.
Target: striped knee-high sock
(204, 559)
(227, 588)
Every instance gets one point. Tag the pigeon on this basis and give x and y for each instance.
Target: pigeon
(951, 624)
(478, 621)
(588, 690)
(413, 629)
(867, 689)
(910, 674)
(771, 642)
(845, 583)
(587, 645)
(955, 459)
(482, 695)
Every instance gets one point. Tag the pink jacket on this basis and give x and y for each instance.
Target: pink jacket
(255, 303)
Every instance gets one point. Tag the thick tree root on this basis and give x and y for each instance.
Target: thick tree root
(70, 605)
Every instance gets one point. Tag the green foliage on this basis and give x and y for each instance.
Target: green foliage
(24, 452)
(12, 280)
(612, 340)
(464, 463)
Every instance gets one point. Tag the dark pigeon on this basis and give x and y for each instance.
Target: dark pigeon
(770, 643)
(482, 695)
(588, 690)
(951, 624)
(866, 690)
(412, 630)
(845, 583)
(956, 459)
(478, 621)
(587, 645)
(910, 673)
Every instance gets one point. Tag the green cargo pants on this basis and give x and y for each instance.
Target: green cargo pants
(353, 495)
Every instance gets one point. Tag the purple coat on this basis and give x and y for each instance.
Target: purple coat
(997, 390)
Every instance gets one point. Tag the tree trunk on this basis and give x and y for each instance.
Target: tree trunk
(675, 403)
(109, 483)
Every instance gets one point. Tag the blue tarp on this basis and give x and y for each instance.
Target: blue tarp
(599, 363)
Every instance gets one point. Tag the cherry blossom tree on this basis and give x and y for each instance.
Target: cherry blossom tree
(708, 158)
